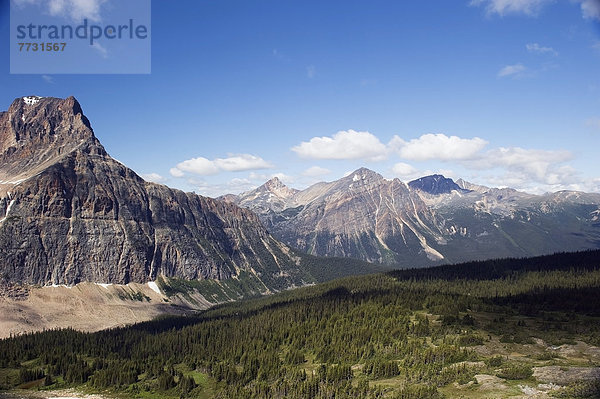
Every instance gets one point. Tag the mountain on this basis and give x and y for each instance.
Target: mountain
(435, 184)
(70, 213)
(273, 195)
(355, 217)
(431, 220)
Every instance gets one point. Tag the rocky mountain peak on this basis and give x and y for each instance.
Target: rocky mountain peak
(277, 187)
(37, 131)
(435, 184)
(33, 118)
(364, 175)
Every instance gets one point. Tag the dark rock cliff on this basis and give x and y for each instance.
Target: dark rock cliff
(71, 213)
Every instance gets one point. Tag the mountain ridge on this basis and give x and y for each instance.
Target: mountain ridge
(429, 220)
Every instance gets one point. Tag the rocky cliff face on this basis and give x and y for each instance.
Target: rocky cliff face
(362, 216)
(70, 213)
(431, 220)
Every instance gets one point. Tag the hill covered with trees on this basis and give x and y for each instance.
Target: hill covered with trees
(496, 328)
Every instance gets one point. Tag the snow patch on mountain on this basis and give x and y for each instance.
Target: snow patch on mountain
(154, 287)
(8, 208)
(32, 100)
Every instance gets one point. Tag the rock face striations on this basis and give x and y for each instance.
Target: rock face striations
(361, 215)
(430, 220)
(70, 213)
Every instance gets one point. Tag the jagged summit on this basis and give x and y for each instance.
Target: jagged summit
(42, 121)
(436, 184)
(272, 195)
(277, 187)
(37, 132)
(364, 174)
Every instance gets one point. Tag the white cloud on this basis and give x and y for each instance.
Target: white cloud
(263, 177)
(48, 79)
(537, 49)
(233, 163)
(540, 166)
(590, 9)
(176, 172)
(311, 71)
(437, 146)
(315, 171)
(405, 171)
(240, 162)
(77, 10)
(199, 166)
(233, 186)
(516, 70)
(154, 177)
(506, 7)
(345, 144)
(100, 49)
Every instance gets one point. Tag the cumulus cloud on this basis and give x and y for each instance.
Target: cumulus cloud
(537, 49)
(527, 165)
(233, 163)
(236, 163)
(532, 170)
(100, 49)
(76, 10)
(263, 177)
(405, 171)
(590, 9)
(233, 186)
(176, 172)
(345, 144)
(516, 70)
(315, 171)
(154, 177)
(198, 166)
(506, 7)
(437, 146)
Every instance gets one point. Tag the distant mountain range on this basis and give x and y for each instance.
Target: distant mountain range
(428, 221)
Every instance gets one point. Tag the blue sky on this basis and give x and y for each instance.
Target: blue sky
(498, 92)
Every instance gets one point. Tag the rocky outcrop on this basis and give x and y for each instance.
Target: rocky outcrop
(70, 213)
